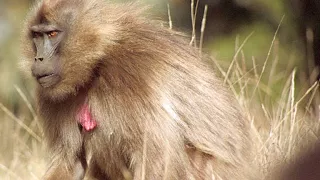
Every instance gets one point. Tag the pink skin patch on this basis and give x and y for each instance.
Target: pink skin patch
(85, 118)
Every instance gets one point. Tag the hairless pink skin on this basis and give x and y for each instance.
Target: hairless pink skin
(85, 118)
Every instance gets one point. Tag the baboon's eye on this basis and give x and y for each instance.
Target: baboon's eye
(36, 34)
(52, 34)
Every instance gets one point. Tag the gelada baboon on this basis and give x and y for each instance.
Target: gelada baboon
(123, 97)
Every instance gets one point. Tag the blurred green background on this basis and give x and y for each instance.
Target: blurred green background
(229, 24)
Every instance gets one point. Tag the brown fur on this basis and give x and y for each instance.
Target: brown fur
(305, 167)
(161, 111)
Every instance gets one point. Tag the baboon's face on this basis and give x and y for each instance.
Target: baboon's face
(62, 50)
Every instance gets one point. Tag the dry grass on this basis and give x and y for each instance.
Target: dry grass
(282, 124)
(22, 153)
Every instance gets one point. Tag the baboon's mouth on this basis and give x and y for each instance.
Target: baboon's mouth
(39, 77)
(48, 80)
